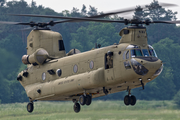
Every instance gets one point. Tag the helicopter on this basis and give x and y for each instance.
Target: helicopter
(54, 75)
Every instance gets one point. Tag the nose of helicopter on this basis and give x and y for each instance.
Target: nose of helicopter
(150, 67)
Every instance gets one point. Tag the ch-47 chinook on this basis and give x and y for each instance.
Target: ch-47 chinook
(52, 74)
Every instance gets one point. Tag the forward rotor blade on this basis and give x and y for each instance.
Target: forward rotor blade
(26, 29)
(167, 22)
(12, 23)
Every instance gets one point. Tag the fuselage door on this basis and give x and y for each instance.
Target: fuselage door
(109, 71)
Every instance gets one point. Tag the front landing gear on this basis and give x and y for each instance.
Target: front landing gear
(129, 99)
(30, 107)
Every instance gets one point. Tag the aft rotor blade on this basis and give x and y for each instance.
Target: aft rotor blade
(96, 16)
(90, 19)
(129, 10)
(14, 23)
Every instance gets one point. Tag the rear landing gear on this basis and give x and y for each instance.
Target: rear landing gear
(88, 100)
(77, 107)
(30, 107)
(83, 100)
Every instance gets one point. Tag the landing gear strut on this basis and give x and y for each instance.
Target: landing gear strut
(105, 91)
(129, 99)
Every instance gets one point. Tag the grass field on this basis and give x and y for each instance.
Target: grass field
(98, 110)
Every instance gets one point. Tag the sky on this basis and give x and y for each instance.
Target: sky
(101, 5)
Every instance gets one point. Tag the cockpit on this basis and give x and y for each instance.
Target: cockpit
(136, 51)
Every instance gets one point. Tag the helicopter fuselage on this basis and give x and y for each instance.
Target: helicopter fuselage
(52, 74)
(88, 72)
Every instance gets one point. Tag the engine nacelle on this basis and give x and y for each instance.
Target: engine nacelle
(39, 57)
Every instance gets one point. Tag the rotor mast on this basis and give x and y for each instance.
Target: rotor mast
(49, 40)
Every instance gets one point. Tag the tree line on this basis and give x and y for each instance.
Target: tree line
(165, 38)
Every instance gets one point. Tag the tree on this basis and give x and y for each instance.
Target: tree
(2, 2)
(75, 12)
(92, 11)
(176, 99)
(101, 33)
(156, 12)
(83, 10)
(139, 13)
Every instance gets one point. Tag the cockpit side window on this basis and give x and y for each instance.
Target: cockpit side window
(152, 53)
(127, 55)
(124, 55)
(145, 52)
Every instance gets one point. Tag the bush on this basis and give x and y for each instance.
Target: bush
(177, 99)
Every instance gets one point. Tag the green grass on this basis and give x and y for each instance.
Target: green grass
(98, 110)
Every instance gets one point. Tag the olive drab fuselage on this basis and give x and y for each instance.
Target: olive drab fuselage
(60, 76)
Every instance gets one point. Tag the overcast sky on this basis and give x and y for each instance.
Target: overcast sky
(101, 5)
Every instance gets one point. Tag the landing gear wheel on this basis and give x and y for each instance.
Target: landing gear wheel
(82, 100)
(127, 100)
(30, 107)
(77, 107)
(133, 100)
(88, 99)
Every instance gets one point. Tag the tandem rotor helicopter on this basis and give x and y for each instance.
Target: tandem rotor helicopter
(52, 74)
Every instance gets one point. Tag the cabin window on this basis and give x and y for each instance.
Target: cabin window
(75, 68)
(43, 76)
(61, 45)
(91, 65)
(59, 72)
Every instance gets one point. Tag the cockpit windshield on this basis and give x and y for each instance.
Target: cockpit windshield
(136, 53)
(145, 52)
